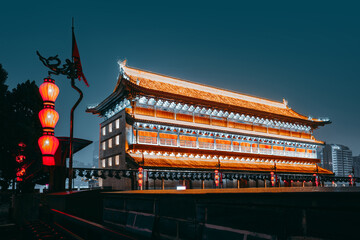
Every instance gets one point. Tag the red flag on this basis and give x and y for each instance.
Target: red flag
(76, 58)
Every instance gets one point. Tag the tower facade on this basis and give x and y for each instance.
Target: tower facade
(159, 122)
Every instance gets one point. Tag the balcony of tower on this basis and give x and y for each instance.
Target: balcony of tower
(162, 137)
(177, 113)
(160, 159)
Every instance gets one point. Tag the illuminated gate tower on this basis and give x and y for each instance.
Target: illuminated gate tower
(159, 122)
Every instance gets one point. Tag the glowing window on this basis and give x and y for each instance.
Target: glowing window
(117, 140)
(110, 127)
(110, 161)
(103, 146)
(110, 143)
(103, 131)
(117, 123)
(117, 160)
(103, 163)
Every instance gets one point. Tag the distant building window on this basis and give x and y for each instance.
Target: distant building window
(117, 140)
(117, 160)
(103, 146)
(103, 131)
(117, 123)
(110, 143)
(110, 161)
(110, 127)
(103, 164)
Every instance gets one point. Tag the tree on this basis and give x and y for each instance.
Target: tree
(4, 110)
(19, 123)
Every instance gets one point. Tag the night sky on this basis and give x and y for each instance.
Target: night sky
(306, 52)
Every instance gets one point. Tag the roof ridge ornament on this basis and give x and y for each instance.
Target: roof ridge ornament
(285, 102)
(122, 64)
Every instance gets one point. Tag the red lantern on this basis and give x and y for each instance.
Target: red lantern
(49, 91)
(272, 179)
(21, 145)
(140, 176)
(351, 183)
(48, 145)
(20, 158)
(21, 172)
(18, 179)
(48, 118)
(217, 178)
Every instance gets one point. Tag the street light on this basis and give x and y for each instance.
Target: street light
(48, 117)
(72, 69)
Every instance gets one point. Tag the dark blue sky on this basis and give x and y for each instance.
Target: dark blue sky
(307, 52)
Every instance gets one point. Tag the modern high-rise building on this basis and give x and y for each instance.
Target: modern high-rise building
(158, 122)
(338, 158)
(356, 165)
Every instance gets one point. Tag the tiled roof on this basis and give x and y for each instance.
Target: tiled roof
(192, 163)
(184, 88)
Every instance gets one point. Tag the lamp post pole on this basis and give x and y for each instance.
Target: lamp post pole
(72, 132)
(70, 70)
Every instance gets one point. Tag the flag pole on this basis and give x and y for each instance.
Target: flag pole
(72, 113)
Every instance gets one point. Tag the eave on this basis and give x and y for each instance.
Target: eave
(158, 148)
(170, 163)
(109, 101)
(225, 107)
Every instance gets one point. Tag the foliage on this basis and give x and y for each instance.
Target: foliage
(19, 123)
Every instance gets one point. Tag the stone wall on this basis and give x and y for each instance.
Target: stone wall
(277, 213)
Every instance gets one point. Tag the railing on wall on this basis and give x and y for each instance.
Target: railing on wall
(171, 174)
(78, 228)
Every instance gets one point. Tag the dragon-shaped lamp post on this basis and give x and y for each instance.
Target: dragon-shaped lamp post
(70, 70)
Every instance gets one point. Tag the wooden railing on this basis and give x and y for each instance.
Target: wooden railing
(168, 142)
(147, 140)
(206, 145)
(223, 147)
(186, 143)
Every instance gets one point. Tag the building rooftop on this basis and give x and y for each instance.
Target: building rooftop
(165, 85)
